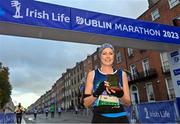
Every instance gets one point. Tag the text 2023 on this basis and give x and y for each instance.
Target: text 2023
(170, 34)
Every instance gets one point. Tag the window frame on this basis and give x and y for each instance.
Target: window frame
(134, 92)
(155, 14)
(130, 51)
(170, 88)
(150, 90)
(134, 73)
(118, 57)
(172, 3)
(146, 71)
(164, 61)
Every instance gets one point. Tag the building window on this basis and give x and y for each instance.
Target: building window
(134, 94)
(164, 61)
(173, 3)
(155, 14)
(69, 92)
(74, 80)
(130, 52)
(170, 88)
(81, 76)
(134, 72)
(77, 69)
(150, 92)
(146, 67)
(78, 78)
(118, 57)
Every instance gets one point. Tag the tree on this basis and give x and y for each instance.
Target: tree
(5, 86)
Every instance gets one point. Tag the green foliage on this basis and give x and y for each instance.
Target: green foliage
(5, 86)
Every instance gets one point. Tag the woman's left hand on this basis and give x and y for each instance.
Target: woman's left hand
(117, 93)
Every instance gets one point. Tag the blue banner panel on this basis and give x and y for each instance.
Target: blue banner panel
(34, 13)
(178, 104)
(1, 118)
(9, 118)
(99, 23)
(161, 112)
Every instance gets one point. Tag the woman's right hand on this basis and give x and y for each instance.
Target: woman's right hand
(100, 89)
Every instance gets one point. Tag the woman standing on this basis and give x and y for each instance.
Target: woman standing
(107, 90)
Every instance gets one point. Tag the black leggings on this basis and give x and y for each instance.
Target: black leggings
(18, 118)
(97, 118)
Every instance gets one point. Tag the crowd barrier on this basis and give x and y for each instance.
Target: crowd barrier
(7, 118)
(153, 112)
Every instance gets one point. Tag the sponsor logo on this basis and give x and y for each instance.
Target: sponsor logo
(176, 59)
(17, 5)
(37, 13)
(176, 71)
(178, 82)
(147, 114)
(156, 114)
(175, 53)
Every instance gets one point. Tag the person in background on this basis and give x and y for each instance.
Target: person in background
(35, 113)
(76, 109)
(107, 90)
(52, 109)
(59, 111)
(19, 112)
(46, 111)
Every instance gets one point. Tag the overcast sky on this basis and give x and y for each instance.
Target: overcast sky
(36, 64)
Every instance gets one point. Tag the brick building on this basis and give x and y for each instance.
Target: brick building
(150, 78)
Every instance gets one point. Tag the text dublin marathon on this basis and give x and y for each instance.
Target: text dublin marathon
(126, 28)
